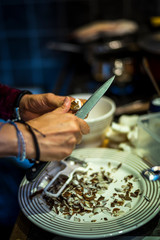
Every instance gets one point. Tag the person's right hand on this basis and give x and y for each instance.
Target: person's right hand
(62, 132)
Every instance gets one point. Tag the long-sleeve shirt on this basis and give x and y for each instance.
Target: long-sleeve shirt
(8, 98)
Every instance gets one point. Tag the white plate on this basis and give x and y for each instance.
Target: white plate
(142, 210)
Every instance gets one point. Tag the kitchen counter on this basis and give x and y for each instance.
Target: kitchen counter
(25, 230)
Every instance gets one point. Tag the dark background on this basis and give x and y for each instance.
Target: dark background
(27, 26)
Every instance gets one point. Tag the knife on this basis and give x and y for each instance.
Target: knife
(33, 172)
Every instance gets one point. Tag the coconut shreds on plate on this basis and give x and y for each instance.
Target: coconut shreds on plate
(88, 195)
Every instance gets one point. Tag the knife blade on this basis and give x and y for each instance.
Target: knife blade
(33, 172)
(95, 97)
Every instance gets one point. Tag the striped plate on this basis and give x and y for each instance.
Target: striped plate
(142, 210)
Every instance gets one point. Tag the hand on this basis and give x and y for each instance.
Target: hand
(34, 105)
(63, 131)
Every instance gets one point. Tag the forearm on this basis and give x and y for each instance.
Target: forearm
(9, 141)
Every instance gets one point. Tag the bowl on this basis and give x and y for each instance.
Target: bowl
(99, 119)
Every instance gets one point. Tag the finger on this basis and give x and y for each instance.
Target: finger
(55, 101)
(75, 140)
(65, 106)
(83, 126)
(79, 138)
(60, 100)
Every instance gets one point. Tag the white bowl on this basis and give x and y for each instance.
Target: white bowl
(99, 119)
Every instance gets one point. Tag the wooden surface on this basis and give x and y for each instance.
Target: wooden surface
(21, 228)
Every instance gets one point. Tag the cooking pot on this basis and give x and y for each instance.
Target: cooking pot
(108, 47)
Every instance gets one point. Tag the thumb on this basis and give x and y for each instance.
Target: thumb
(65, 106)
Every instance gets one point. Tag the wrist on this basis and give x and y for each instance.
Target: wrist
(30, 149)
(16, 140)
(20, 104)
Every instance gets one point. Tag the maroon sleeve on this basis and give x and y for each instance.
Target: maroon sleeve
(8, 98)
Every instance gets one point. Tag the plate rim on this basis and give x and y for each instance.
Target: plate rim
(135, 226)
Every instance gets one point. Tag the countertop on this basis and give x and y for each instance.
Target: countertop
(25, 230)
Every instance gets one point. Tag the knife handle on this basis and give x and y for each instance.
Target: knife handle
(33, 172)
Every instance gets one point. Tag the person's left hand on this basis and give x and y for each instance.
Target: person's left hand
(34, 105)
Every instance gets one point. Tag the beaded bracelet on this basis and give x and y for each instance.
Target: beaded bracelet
(21, 143)
(18, 119)
(31, 130)
(34, 139)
